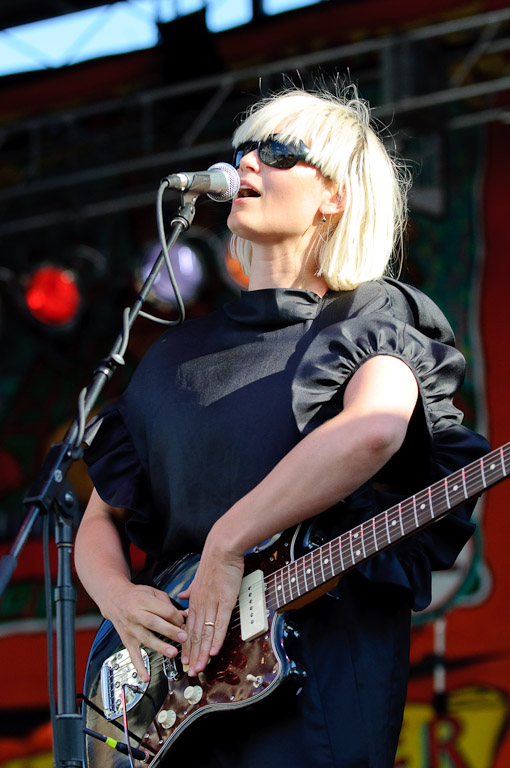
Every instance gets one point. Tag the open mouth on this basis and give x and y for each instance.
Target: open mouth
(247, 192)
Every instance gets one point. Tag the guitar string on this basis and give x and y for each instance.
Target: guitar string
(383, 523)
(406, 511)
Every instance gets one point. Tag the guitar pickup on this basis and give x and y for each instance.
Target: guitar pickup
(252, 606)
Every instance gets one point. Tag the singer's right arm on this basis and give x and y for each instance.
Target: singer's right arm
(138, 612)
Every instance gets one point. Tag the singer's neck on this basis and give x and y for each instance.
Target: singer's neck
(280, 268)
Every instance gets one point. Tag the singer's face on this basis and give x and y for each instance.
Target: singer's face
(276, 207)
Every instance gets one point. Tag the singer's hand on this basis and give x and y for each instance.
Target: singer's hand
(139, 613)
(212, 596)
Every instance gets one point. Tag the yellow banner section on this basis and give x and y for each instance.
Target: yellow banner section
(466, 735)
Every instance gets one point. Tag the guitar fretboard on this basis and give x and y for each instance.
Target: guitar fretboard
(386, 529)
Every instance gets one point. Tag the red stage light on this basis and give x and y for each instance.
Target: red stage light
(52, 296)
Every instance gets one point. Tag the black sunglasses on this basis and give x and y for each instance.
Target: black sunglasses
(273, 152)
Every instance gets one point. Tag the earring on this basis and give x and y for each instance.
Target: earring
(323, 218)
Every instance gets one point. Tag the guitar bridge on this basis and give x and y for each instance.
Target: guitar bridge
(118, 672)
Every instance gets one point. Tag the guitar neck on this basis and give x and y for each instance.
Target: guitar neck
(356, 546)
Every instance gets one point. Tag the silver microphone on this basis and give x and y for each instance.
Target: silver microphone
(220, 182)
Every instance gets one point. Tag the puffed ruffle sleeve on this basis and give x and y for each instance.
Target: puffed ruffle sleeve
(436, 443)
(113, 462)
(339, 350)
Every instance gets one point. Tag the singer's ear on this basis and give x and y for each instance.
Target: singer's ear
(334, 199)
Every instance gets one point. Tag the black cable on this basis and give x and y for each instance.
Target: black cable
(118, 745)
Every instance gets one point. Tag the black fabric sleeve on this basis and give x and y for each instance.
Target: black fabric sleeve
(113, 462)
(436, 445)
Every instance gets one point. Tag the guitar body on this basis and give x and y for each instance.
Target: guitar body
(244, 672)
(283, 574)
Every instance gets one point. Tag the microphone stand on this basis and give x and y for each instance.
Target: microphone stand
(51, 492)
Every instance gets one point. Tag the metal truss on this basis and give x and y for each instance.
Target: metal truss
(102, 158)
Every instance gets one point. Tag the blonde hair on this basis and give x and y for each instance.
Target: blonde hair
(346, 149)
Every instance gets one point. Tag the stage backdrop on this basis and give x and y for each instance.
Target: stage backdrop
(458, 702)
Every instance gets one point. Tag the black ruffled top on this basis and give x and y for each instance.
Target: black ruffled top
(218, 401)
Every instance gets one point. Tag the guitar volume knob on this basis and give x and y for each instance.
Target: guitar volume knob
(193, 694)
(166, 718)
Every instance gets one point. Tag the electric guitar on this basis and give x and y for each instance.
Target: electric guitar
(253, 661)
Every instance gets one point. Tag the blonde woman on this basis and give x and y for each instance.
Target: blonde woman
(327, 386)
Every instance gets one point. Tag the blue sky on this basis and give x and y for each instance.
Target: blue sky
(115, 28)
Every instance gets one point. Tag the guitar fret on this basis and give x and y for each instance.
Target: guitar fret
(323, 579)
(400, 517)
(369, 542)
(274, 587)
(334, 558)
(493, 470)
(440, 496)
(270, 592)
(303, 588)
(393, 520)
(340, 545)
(464, 483)
(352, 548)
(423, 508)
(305, 580)
(378, 529)
(318, 571)
(288, 584)
(287, 587)
(430, 503)
(474, 479)
(415, 511)
(363, 541)
(287, 591)
(502, 454)
(331, 560)
(306, 569)
(312, 568)
(456, 489)
(426, 507)
(354, 535)
(296, 578)
(404, 521)
(482, 468)
(349, 562)
(446, 492)
(278, 590)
